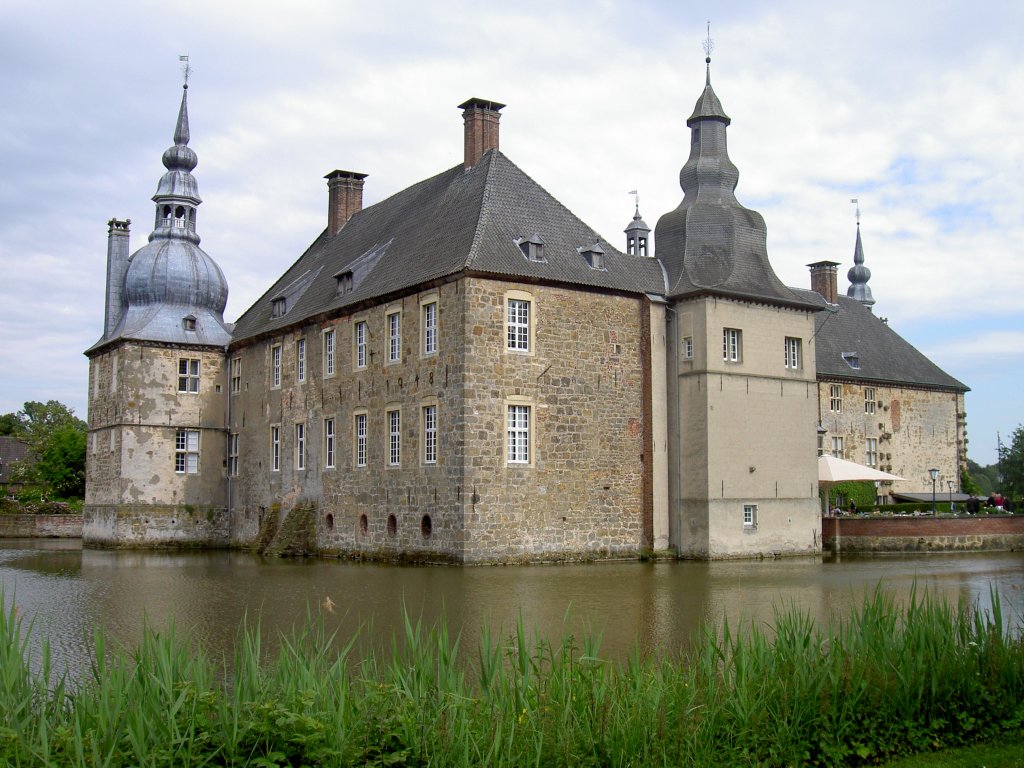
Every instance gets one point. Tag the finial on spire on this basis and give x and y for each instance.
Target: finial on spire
(709, 46)
(636, 198)
(856, 202)
(186, 70)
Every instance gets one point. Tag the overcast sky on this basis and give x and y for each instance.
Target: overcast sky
(917, 113)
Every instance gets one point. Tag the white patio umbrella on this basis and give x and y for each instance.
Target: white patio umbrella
(832, 470)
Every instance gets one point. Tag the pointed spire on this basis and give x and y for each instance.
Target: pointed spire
(859, 274)
(177, 194)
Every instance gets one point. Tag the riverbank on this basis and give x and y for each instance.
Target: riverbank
(885, 680)
(35, 526)
(944, 533)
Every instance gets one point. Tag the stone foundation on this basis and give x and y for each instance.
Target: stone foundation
(40, 526)
(155, 526)
(1004, 533)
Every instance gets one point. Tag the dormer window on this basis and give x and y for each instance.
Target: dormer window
(345, 282)
(593, 255)
(189, 322)
(532, 248)
(278, 307)
(852, 359)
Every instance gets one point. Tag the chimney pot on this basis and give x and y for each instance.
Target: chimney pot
(344, 198)
(481, 118)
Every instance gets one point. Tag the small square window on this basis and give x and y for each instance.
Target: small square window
(749, 516)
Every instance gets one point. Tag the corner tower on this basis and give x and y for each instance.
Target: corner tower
(741, 374)
(155, 456)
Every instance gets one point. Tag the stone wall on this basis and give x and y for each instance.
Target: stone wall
(923, 534)
(155, 526)
(916, 429)
(579, 496)
(40, 526)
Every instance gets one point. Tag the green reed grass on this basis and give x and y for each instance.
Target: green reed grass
(886, 680)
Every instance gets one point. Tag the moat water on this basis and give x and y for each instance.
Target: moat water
(66, 592)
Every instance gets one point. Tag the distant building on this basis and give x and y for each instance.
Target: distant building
(12, 453)
(466, 372)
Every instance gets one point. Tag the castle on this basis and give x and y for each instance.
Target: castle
(465, 372)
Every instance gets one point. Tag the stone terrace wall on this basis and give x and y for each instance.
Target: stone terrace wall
(40, 526)
(923, 534)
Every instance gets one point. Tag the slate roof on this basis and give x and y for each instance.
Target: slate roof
(11, 450)
(883, 355)
(458, 221)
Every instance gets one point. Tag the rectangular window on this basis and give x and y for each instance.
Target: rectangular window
(519, 434)
(430, 328)
(871, 459)
(869, 400)
(519, 325)
(732, 345)
(750, 515)
(188, 375)
(329, 443)
(300, 360)
(821, 443)
(394, 337)
(233, 454)
(835, 398)
(837, 447)
(688, 348)
(275, 366)
(430, 434)
(300, 446)
(360, 343)
(394, 438)
(329, 353)
(360, 429)
(275, 449)
(236, 375)
(186, 452)
(792, 349)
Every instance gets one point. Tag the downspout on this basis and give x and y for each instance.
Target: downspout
(227, 450)
(672, 348)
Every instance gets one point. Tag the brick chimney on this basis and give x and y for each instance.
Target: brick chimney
(117, 267)
(344, 198)
(823, 279)
(481, 131)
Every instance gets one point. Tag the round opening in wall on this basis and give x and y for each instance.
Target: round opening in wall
(330, 522)
(364, 524)
(426, 526)
(392, 526)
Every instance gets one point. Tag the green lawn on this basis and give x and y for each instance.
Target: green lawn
(1003, 754)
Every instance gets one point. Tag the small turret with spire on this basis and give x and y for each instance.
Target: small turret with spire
(637, 231)
(859, 274)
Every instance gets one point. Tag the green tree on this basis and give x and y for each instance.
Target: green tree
(57, 439)
(1011, 465)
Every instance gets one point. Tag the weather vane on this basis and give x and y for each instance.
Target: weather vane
(636, 197)
(186, 70)
(709, 44)
(856, 202)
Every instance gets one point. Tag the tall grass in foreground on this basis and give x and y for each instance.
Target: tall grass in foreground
(886, 680)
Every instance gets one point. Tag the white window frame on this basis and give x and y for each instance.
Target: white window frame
(750, 517)
(871, 451)
(233, 443)
(360, 330)
(300, 446)
(186, 452)
(275, 366)
(300, 360)
(518, 423)
(837, 446)
(688, 348)
(330, 443)
(732, 345)
(236, 375)
(188, 375)
(394, 324)
(835, 398)
(394, 421)
(428, 422)
(428, 315)
(869, 400)
(359, 438)
(792, 349)
(330, 349)
(518, 325)
(275, 447)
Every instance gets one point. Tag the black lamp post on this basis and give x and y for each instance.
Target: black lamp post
(950, 484)
(935, 476)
